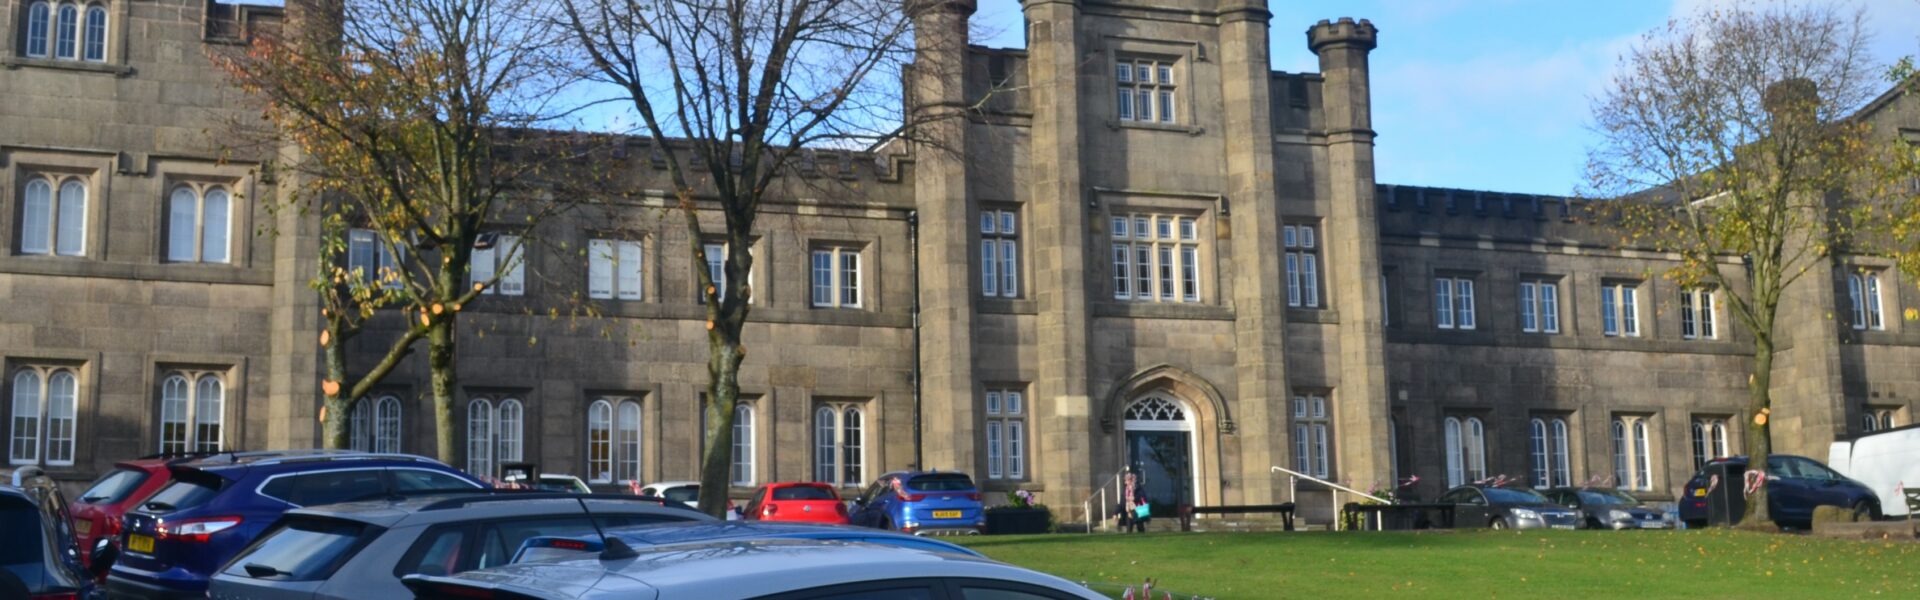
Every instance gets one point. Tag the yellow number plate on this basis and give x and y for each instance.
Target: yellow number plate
(140, 543)
(1700, 493)
(84, 527)
(946, 514)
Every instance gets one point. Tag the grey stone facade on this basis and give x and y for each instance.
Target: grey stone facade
(1245, 154)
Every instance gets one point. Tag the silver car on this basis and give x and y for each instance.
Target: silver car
(359, 550)
(1608, 508)
(760, 568)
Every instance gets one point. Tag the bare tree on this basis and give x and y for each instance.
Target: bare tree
(1724, 138)
(733, 93)
(418, 122)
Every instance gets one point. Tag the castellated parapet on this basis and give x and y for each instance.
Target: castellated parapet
(1360, 33)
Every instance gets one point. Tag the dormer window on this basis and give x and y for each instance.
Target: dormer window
(1146, 91)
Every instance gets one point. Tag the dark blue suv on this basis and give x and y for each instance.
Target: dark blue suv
(1795, 485)
(172, 543)
(922, 503)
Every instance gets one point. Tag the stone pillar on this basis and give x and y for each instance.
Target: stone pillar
(1809, 397)
(1259, 298)
(1058, 221)
(1352, 245)
(947, 384)
(293, 368)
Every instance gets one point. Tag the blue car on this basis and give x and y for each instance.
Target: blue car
(553, 547)
(40, 558)
(1795, 485)
(922, 503)
(172, 543)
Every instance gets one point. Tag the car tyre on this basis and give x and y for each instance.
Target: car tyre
(887, 524)
(1865, 510)
(1498, 524)
(1696, 523)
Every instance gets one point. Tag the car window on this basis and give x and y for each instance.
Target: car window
(941, 482)
(867, 590)
(499, 540)
(1513, 496)
(438, 552)
(685, 493)
(303, 550)
(327, 487)
(182, 494)
(416, 480)
(804, 492)
(21, 520)
(1458, 496)
(114, 486)
(987, 593)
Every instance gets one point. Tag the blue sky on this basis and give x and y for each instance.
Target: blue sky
(1489, 94)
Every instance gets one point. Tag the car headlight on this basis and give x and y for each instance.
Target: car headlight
(1525, 514)
(1619, 515)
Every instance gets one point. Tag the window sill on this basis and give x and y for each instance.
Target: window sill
(1162, 310)
(1325, 316)
(15, 62)
(1118, 124)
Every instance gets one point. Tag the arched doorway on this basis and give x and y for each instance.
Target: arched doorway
(1161, 451)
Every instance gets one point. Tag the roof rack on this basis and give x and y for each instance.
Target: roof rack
(333, 455)
(484, 496)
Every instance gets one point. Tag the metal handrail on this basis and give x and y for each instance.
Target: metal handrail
(1294, 484)
(1086, 507)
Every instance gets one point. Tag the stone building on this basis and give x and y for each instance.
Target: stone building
(1153, 250)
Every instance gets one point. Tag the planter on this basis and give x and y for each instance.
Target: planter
(1017, 520)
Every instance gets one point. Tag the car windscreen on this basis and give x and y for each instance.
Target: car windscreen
(941, 482)
(1513, 496)
(20, 519)
(185, 492)
(113, 487)
(300, 550)
(803, 492)
(1606, 498)
(685, 493)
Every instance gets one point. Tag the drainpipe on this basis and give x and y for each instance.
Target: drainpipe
(913, 243)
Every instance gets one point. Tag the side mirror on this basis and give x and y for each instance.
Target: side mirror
(100, 560)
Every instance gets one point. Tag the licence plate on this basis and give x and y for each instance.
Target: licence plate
(140, 543)
(1700, 493)
(1563, 527)
(84, 527)
(946, 514)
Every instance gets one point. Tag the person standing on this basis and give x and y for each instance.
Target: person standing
(1133, 507)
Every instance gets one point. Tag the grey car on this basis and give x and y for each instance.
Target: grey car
(359, 550)
(1608, 508)
(761, 568)
(1501, 507)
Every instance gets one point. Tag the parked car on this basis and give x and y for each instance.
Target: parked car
(98, 512)
(1608, 508)
(359, 550)
(798, 502)
(40, 560)
(552, 548)
(1795, 485)
(759, 568)
(1478, 505)
(922, 503)
(684, 492)
(175, 540)
(1882, 461)
(555, 482)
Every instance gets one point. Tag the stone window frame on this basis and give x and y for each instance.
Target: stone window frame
(19, 165)
(1711, 437)
(714, 265)
(194, 378)
(1001, 262)
(1300, 241)
(1464, 441)
(496, 442)
(367, 423)
(1620, 307)
(56, 184)
(1159, 87)
(1634, 443)
(1700, 313)
(1878, 418)
(1866, 298)
(1007, 412)
(1314, 443)
(621, 438)
(511, 250)
(837, 253)
(847, 462)
(1550, 448)
(114, 53)
(615, 260)
(1181, 57)
(1179, 258)
(758, 428)
(1455, 306)
(198, 190)
(1539, 298)
(43, 372)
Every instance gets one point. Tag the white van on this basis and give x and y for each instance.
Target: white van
(1884, 461)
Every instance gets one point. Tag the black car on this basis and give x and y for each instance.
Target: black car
(1795, 485)
(40, 558)
(1608, 508)
(1506, 508)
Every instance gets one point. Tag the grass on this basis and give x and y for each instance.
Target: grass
(1694, 564)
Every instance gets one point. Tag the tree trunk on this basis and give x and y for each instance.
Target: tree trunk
(336, 432)
(723, 392)
(1759, 441)
(440, 364)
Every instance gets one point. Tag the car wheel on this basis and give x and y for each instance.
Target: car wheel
(887, 524)
(1498, 524)
(1696, 524)
(1865, 510)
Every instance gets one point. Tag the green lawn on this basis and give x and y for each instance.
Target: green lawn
(1693, 564)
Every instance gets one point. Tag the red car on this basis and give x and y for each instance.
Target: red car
(97, 512)
(802, 502)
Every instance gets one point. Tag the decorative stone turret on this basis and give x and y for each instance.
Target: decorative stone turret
(1361, 34)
